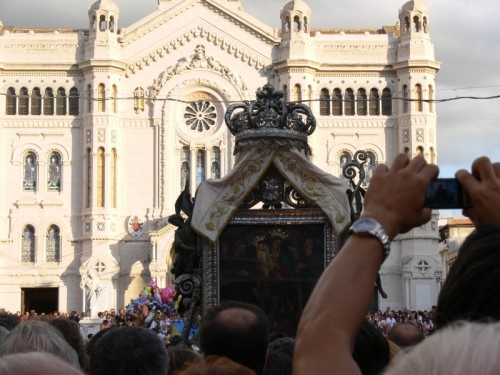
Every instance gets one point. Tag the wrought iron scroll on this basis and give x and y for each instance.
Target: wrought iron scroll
(354, 172)
(273, 190)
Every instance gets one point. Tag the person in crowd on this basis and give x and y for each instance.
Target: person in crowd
(128, 351)
(71, 332)
(236, 330)
(461, 348)
(394, 204)
(279, 356)
(405, 335)
(371, 350)
(8, 320)
(216, 365)
(180, 356)
(39, 363)
(38, 336)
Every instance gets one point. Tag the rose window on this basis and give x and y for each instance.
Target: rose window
(200, 115)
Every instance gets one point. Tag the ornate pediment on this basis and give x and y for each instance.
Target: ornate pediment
(198, 60)
(201, 32)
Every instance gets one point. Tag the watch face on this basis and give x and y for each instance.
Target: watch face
(365, 225)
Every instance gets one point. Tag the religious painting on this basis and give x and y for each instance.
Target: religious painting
(271, 260)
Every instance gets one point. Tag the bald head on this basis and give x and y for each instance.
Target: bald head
(35, 363)
(405, 335)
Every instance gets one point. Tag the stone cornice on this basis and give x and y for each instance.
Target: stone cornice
(46, 122)
(201, 31)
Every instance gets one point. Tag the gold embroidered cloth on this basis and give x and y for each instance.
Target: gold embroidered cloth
(216, 200)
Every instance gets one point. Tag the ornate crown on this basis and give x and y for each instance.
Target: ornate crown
(278, 233)
(270, 117)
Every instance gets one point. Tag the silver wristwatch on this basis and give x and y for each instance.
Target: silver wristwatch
(371, 227)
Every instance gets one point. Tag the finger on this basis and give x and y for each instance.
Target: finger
(482, 168)
(430, 171)
(496, 169)
(381, 169)
(417, 163)
(400, 161)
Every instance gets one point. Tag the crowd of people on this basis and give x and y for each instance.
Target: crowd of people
(335, 333)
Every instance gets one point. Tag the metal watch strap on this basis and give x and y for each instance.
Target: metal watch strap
(371, 227)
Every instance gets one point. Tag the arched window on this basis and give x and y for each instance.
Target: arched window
(54, 172)
(406, 151)
(386, 102)
(345, 157)
(115, 99)
(306, 25)
(100, 177)
(431, 98)
(102, 23)
(407, 24)
(101, 98)
(374, 102)
(30, 171)
(200, 167)
(215, 170)
(112, 173)
(416, 23)
(420, 150)
(74, 106)
(28, 245)
(296, 23)
(89, 98)
(433, 155)
(418, 98)
(361, 101)
(36, 102)
(405, 98)
(88, 194)
(53, 246)
(24, 101)
(324, 103)
(369, 166)
(94, 24)
(11, 101)
(425, 25)
(112, 24)
(61, 102)
(48, 102)
(185, 167)
(349, 102)
(138, 99)
(287, 24)
(297, 93)
(337, 102)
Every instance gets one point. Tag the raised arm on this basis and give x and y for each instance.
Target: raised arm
(340, 300)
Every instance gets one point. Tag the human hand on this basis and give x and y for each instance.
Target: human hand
(483, 188)
(396, 195)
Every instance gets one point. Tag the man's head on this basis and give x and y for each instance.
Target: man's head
(472, 288)
(405, 335)
(128, 350)
(236, 330)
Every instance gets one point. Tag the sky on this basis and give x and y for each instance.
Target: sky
(465, 33)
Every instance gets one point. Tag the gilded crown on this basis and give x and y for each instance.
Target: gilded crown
(270, 116)
(278, 233)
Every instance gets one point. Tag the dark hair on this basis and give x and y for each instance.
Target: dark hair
(405, 335)
(71, 332)
(8, 320)
(129, 350)
(236, 330)
(371, 350)
(472, 288)
(179, 356)
(216, 365)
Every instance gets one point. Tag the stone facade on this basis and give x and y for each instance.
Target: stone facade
(100, 129)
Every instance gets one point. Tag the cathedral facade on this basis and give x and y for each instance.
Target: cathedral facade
(101, 129)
